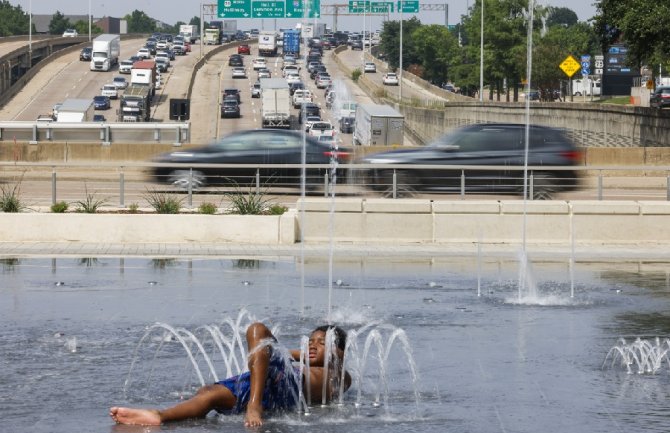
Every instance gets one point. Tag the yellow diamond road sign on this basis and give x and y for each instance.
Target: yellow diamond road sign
(570, 65)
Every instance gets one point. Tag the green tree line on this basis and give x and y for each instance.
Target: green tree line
(442, 55)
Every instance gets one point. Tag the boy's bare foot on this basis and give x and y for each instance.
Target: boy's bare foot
(125, 415)
(253, 417)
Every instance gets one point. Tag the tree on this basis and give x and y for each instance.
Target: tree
(390, 44)
(561, 16)
(13, 20)
(81, 27)
(195, 21)
(438, 50)
(640, 24)
(139, 22)
(59, 24)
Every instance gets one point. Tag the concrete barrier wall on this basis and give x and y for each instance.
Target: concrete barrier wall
(369, 221)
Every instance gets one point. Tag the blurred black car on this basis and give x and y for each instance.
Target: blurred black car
(295, 85)
(501, 145)
(85, 53)
(230, 108)
(261, 146)
(347, 125)
(308, 109)
(660, 98)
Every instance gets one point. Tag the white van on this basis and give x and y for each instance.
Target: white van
(586, 87)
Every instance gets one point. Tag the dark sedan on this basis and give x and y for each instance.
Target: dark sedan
(660, 98)
(261, 146)
(347, 125)
(230, 108)
(85, 53)
(101, 102)
(500, 145)
(232, 93)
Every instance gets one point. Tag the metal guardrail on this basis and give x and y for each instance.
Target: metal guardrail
(46, 183)
(102, 132)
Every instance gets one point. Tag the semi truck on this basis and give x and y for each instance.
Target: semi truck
(267, 44)
(189, 32)
(75, 111)
(212, 36)
(291, 44)
(144, 73)
(275, 103)
(135, 105)
(378, 125)
(106, 51)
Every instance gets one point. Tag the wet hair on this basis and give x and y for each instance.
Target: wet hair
(340, 335)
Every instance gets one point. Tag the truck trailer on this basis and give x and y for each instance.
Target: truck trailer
(189, 32)
(291, 43)
(144, 73)
(275, 103)
(106, 51)
(135, 104)
(378, 125)
(75, 111)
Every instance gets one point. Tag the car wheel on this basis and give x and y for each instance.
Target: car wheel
(545, 186)
(405, 184)
(183, 178)
(578, 93)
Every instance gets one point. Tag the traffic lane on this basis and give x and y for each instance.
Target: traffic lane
(64, 77)
(353, 59)
(249, 107)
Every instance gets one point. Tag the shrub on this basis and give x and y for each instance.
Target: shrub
(251, 202)
(10, 198)
(163, 203)
(59, 207)
(133, 207)
(90, 204)
(277, 209)
(356, 74)
(207, 208)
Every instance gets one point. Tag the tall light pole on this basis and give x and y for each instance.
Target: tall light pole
(30, 31)
(481, 56)
(90, 20)
(402, 4)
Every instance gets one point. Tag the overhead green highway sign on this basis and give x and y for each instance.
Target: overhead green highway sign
(408, 6)
(269, 9)
(365, 6)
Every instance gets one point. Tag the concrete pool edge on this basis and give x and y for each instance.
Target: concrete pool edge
(359, 224)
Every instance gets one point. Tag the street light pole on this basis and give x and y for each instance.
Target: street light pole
(481, 56)
(402, 3)
(30, 30)
(90, 20)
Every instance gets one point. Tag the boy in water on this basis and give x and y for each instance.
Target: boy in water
(266, 386)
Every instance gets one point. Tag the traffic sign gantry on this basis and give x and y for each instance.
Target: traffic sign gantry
(268, 9)
(365, 6)
(570, 65)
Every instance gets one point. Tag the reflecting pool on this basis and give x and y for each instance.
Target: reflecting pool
(485, 362)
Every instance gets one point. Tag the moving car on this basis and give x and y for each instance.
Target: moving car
(235, 60)
(101, 102)
(357, 45)
(490, 144)
(125, 66)
(256, 90)
(243, 49)
(301, 97)
(70, 33)
(110, 91)
(317, 129)
(259, 63)
(232, 93)
(369, 67)
(390, 79)
(347, 125)
(99, 118)
(239, 72)
(309, 109)
(660, 98)
(264, 73)
(323, 81)
(143, 53)
(230, 108)
(120, 82)
(85, 53)
(280, 148)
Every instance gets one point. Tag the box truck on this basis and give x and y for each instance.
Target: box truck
(75, 111)
(378, 125)
(189, 32)
(275, 103)
(144, 73)
(267, 44)
(586, 87)
(106, 51)
(212, 37)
